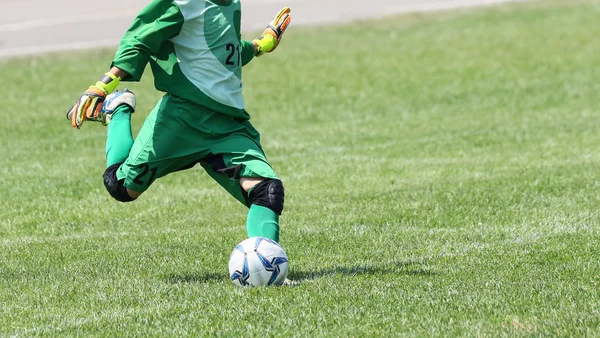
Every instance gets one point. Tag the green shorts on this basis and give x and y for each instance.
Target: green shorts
(179, 134)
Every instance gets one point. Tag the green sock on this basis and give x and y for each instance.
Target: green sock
(119, 139)
(262, 222)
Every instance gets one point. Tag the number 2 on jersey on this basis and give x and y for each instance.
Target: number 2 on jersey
(232, 49)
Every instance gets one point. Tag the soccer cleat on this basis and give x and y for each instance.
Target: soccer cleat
(289, 282)
(110, 104)
(115, 100)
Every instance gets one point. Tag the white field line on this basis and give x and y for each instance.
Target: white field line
(407, 8)
(67, 20)
(68, 46)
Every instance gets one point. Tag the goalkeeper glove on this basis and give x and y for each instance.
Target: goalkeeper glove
(272, 35)
(89, 104)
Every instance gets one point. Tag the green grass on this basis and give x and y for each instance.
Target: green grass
(441, 176)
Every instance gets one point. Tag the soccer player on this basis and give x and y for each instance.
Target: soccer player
(196, 53)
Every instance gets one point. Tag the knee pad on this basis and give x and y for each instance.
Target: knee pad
(115, 186)
(268, 193)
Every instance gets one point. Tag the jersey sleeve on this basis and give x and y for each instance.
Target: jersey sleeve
(155, 24)
(247, 51)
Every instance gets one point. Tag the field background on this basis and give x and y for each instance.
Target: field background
(38, 26)
(441, 176)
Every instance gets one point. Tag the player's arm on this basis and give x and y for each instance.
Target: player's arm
(247, 52)
(118, 72)
(270, 38)
(155, 24)
(158, 22)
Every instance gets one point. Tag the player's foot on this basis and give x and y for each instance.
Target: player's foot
(110, 104)
(289, 282)
(114, 101)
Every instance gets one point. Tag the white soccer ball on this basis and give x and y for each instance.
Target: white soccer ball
(258, 261)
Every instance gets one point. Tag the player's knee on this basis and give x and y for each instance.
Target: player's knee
(268, 193)
(115, 186)
(133, 194)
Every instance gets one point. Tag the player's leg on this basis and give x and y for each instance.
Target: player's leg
(162, 146)
(267, 197)
(241, 167)
(264, 207)
(116, 112)
(119, 139)
(117, 106)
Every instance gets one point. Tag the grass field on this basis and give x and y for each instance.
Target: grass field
(441, 172)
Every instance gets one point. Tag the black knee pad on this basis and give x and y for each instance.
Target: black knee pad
(114, 186)
(268, 193)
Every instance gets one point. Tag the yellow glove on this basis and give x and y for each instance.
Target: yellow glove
(89, 104)
(272, 35)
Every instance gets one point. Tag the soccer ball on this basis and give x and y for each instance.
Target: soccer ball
(258, 261)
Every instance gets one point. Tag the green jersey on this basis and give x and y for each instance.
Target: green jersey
(195, 50)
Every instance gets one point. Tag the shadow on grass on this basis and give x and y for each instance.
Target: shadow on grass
(397, 268)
